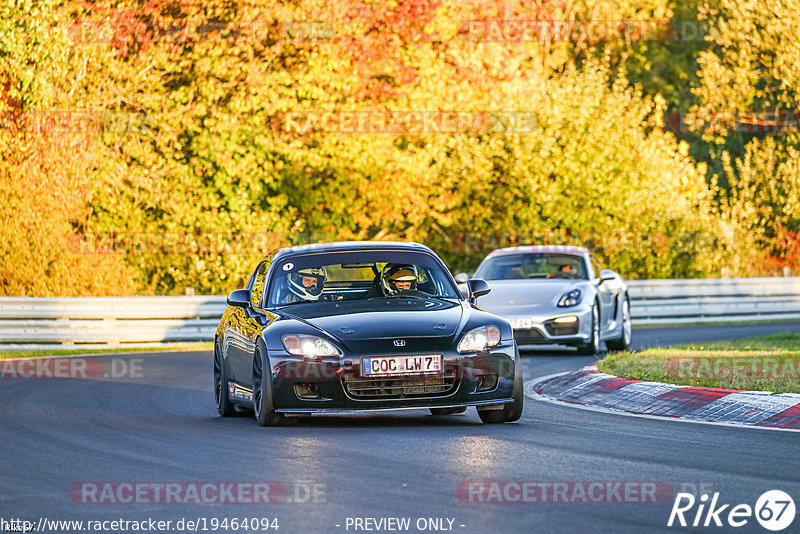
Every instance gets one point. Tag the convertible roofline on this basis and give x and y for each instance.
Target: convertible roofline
(547, 249)
(350, 246)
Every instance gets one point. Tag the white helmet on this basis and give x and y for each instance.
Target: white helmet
(394, 273)
(310, 291)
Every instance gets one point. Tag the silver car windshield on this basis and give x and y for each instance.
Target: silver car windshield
(544, 266)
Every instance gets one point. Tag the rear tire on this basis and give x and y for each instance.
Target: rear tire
(448, 411)
(263, 398)
(624, 341)
(592, 348)
(224, 405)
(512, 411)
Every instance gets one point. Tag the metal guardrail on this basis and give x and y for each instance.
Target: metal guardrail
(655, 302)
(118, 320)
(110, 320)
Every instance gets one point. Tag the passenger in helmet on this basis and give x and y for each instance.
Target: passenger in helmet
(397, 278)
(305, 285)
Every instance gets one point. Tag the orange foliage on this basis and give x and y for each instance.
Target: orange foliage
(44, 181)
(788, 256)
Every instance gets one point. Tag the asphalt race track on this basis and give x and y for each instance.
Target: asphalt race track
(157, 424)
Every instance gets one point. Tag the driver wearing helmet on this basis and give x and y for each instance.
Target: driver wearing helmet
(305, 285)
(397, 278)
(569, 270)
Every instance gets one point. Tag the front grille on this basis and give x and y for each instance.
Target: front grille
(556, 329)
(531, 335)
(399, 388)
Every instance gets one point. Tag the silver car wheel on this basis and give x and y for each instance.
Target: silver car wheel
(627, 326)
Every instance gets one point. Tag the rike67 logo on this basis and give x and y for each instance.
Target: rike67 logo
(774, 510)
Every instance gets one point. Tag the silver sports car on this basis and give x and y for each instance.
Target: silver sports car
(557, 295)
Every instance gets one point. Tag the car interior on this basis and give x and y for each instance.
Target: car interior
(359, 281)
(525, 266)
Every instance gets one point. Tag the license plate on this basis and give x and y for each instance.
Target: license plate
(401, 365)
(521, 323)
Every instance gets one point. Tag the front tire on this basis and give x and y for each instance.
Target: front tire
(224, 405)
(263, 397)
(592, 348)
(512, 411)
(624, 341)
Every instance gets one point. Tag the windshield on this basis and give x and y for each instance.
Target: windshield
(362, 275)
(538, 265)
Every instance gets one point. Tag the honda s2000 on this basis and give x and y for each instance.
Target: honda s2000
(362, 326)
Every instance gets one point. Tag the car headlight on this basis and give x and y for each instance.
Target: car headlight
(305, 345)
(479, 339)
(570, 298)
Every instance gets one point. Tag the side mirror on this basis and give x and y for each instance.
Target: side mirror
(606, 275)
(462, 278)
(239, 298)
(477, 288)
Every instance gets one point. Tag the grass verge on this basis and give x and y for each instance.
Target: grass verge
(768, 363)
(109, 350)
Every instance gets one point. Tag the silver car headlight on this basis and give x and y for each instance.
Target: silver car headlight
(305, 345)
(479, 339)
(570, 298)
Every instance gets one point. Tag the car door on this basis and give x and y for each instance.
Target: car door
(243, 327)
(605, 295)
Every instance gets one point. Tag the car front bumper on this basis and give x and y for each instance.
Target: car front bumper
(551, 328)
(328, 386)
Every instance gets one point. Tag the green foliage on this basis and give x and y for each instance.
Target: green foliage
(211, 149)
(183, 347)
(32, 47)
(762, 209)
(46, 164)
(752, 64)
(599, 165)
(776, 356)
(196, 180)
(748, 102)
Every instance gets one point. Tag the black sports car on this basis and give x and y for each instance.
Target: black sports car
(341, 327)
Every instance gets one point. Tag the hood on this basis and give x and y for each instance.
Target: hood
(432, 322)
(510, 298)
